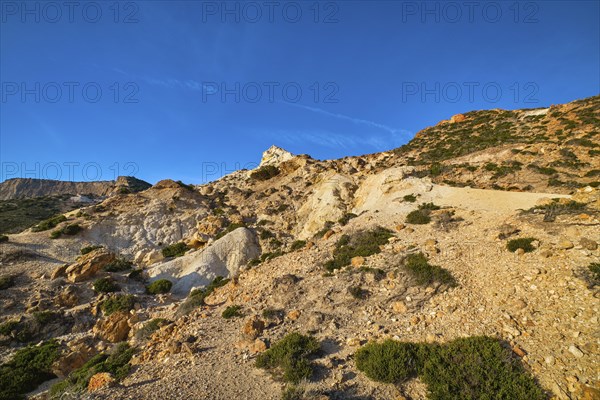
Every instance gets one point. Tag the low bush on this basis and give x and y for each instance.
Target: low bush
(265, 173)
(28, 368)
(137, 275)
(6, 281)
(197, 296)
(467, 369)
(357, 292)
(595, 270)
(232, 312)
(118, 265)
(105, 285)
(150, 327)
(55, 234)
(88, 249)
(297, 244)
(118, 303)
(346, 218)
(424, 273)
(3, 238)
(49, 223)
(410, 198)
(175, 250)
(326, 228)
(45, 317)
(159, 286)
(289, 358)
(364, 244)
(418, 217)
(521, 243)
(71, 229)
(116, 364)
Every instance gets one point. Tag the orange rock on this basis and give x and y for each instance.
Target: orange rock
(328, 234)
(253, 328)
(457, 118)
(519, 351)
(357, 261)
(258, 346)
(294, 315)
(99, 381)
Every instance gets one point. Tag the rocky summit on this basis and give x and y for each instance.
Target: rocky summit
(463, 265)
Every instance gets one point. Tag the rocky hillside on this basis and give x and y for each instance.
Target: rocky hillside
(20, 188)
(375, 277)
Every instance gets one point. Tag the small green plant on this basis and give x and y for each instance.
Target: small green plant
(265, 173)
(266, 234)
(150, 327)
(3, 238)
(118, 303)
(88, 249)
(49, 223)
(55, 234)
(71, 229)
(289, 358)
(116, 364)
(297, 245)
(175, 250)
(106, 285)
(418, 217)
(272, 313)
(326, 228)
(197, 296)
(118, 265)
(28, 368)
(45, 317)
(346, 218)
(137, 275)
(468, 368)
(254, 262)
(595, 270)
(159, 286)
(232, 312)
(357, 292)
(8, 327)
(6, 281)
(410, 198)
(424, 273)
(364, 244)
(521, 243)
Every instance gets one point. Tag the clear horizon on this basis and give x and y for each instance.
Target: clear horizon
(193, 90)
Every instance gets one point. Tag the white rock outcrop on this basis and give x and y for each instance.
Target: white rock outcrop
(225, 257)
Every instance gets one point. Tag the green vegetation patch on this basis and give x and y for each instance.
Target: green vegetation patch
(289, 359)
(468, 369)
(88, 249)
(364, 243)
(232, 312)
(175, 250)
(118, 303)
(346, 218)
(49, 223)
(150, 327)
(116, 364)
(29, 367)
(159, 286)
(120, 264)
(106, 285)
(297, 245)
(424, 273)
(6, 281)
(197, 296)
(521, 243)
(595, 270)
(230, 228)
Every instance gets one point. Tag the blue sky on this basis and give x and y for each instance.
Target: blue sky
(192, 90)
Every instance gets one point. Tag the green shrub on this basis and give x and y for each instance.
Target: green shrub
(8, 327)
(118, 303)
(137, 275)
(232, 312)
(150, 327)
(289, 358)
(118, 265)
(357, 292)
(521, 243)
(254, 262)
(364, 243)
(346, 218)
(72, 229)
(175, 250)
(468, 368)
(106, 285)
(197, 296)
(595, 270)
(297, 244)
(88, 249)
(266, 234)
(388, 362)
(28, 368)
(418, 217)
(424, 273)
(326, 228)
(55, 234)
(159, 286)
(6, 281)
(3, 238)
(45, 317)
(116, 364)
(265, 173)
(49, 223)
(272, 313)
(410, 198)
